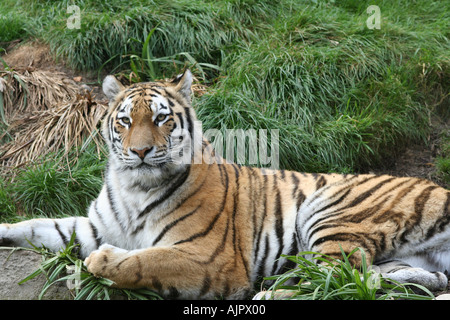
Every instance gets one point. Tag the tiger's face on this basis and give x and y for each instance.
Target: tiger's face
(148, 125)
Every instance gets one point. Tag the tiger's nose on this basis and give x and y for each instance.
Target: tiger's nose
(141, 153)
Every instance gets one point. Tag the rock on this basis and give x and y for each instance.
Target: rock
(17, 265)
(443, 297)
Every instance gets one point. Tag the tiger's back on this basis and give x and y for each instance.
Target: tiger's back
(199, 229)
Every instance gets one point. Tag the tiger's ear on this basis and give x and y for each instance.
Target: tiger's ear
(183, 83)
(112, 87)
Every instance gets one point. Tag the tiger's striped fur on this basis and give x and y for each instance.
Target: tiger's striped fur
(202, 229)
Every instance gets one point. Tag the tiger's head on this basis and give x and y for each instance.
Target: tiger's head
(149, 125)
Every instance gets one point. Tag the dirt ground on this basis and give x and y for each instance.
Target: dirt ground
(418, 160)
(37, 55)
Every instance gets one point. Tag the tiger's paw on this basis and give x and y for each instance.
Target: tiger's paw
(104, 262)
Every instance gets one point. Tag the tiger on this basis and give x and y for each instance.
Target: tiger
(192, 225)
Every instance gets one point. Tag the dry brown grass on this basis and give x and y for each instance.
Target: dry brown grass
(45, 112)
(29, 90)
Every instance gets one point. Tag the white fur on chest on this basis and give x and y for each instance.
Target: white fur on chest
(120, 214)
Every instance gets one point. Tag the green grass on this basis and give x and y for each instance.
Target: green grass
(341, 95)
(108, 28)
(443, 165)
(8, 208)
(443, 160)
(325, 278)
(11, 28)
(52, 187)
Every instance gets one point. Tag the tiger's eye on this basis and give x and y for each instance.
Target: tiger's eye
(125, 120)
(161, 117)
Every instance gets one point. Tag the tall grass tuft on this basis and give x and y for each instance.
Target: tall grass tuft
(326, 278)
(202, 29)
(54, 187)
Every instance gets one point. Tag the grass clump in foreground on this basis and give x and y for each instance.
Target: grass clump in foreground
(334, 279)
(66, 266)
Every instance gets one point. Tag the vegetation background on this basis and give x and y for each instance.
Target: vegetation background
(344, 97)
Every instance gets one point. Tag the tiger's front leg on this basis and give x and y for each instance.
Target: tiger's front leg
(54, 234)
(170, 271)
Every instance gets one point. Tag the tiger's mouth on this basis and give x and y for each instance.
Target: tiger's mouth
(145, 167)
(158, 161)
(136, 159)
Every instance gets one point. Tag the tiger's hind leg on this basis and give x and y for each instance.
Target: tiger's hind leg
(422, 269)
(402, 272)
(417, 269)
